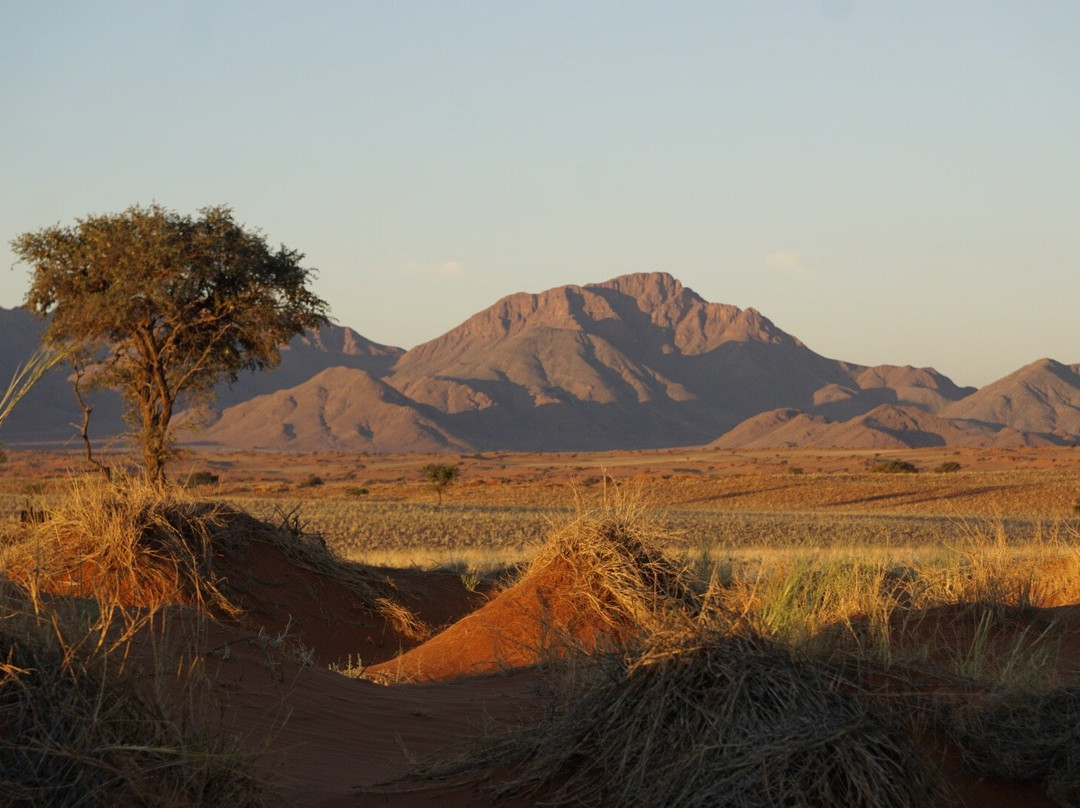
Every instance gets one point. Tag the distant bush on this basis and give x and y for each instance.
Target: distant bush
(795, 470)
(356, 492)
(197, 478)
(947, 467)
(311, 482)
(606, 480)
(894, 467)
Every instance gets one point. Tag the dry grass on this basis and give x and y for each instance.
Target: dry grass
(748, 686)
(131, 543)
(1023, 735)
(698, 718)
(615, 560)
(804, 684)
(127, 544)
(83, 724)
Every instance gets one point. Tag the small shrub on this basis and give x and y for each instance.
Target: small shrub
(606, 480)
(356, 492)
(198, 478)
(795, 470)
(894, 467)
(311, 482)
(947, 467)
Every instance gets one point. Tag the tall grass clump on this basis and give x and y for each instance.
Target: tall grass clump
(82, 724)
(1031, 735)
(613, 559)
(128, 542)
(698, 718)
(124, 542)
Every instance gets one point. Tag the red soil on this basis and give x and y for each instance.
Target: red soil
(327, 616)
(322, 735)
(544, 615)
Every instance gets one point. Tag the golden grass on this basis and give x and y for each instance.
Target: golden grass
(97, 708)
(802, 683)
(764, 661)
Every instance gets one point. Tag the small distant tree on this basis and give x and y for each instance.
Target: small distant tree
(440, 475)
(162, 307)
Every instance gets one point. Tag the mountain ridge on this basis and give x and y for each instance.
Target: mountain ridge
(635, 362)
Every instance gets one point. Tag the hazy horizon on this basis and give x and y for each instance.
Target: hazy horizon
(890, 185)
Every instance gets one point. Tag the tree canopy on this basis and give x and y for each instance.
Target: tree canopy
(163, 306)
(440, 475)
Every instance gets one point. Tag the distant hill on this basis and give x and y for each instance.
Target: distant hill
(636, 362)
(340, 409)
(1043, 397)
(50, 415)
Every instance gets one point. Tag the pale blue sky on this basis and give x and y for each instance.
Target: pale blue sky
(890, 182)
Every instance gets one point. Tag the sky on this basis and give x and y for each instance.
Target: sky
(890, 182)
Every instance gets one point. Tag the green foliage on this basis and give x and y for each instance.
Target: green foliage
(440, 475)
(894, 467)
(311, 482)
(162, 306)
(948, 467)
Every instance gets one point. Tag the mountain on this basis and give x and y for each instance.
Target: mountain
(888, 426)
(1043, 397)
(922, 388)
(305, 356)
(639, 361)
(50, 414)
(636, 362)
(339, 409)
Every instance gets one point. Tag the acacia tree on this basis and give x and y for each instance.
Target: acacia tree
(440, 475)
(162, 306)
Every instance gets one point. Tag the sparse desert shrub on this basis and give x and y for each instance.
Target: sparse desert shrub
(894, 467)
(356, 492)
(312, 481)
(795, 470)
(130, 542)
(592, 480)
(947, 467)
(197, 478)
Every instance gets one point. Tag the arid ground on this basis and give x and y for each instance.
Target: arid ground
(682, 627)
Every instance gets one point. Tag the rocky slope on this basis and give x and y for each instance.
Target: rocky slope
(636, 362)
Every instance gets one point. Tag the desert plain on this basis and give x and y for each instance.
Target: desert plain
(680, 627)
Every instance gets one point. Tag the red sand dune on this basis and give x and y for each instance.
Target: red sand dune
(327, 616)
(545, 614)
